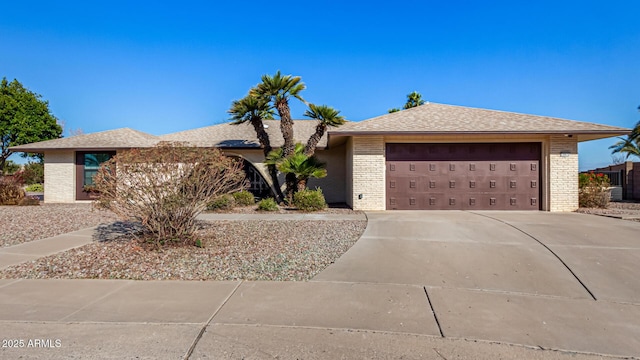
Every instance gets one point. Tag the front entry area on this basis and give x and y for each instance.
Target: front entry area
(467, 176)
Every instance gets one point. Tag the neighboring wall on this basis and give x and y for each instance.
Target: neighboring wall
(563, 173)
(634, 177)
(631, 172)
(59, 177)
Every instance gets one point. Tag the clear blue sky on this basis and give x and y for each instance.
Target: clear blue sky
(162, 67)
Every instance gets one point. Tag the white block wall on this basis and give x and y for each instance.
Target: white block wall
(368, 173)
(59, 177)
(563, 173)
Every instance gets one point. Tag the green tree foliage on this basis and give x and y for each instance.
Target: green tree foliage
(24, 118)
(629, 145)
(9, 168)
(414, 99)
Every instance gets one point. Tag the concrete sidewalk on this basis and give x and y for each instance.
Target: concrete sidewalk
(58, 319)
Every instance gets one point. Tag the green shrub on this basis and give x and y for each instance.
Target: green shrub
(244, 198)
(29, 201)
(309, 200)
(35, 188)
(10, 192)
(268, 205)
(593, 190)
(223, 202)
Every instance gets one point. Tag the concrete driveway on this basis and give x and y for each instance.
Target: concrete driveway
(553, 280)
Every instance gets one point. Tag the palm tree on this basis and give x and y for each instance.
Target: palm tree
(629, 145)
(300, 165)
(253, 109)
(326, 116)
(279, 88)
(414, 99)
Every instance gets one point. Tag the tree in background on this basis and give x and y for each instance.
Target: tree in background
(629, 145)
(24, 118)
(414, 99)
(10, 167)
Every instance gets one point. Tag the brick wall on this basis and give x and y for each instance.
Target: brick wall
(59, 177)
(563, 173)
(368, 172)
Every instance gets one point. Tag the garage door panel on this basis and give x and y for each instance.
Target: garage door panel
(463, 176)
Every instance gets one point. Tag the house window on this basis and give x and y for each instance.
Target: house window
(92, 162)
(87, 165)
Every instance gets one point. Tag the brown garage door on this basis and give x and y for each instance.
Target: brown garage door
(504, 176)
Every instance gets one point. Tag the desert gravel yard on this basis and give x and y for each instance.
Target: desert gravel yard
(243, 249)
(629, 210)
(19, 224)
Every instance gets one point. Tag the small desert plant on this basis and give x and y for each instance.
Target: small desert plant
(309, 200)
(10, 191)
(35, 188)
(593, 190)
(222, 202)
(268, 205)
(165, 187)
(244, 198)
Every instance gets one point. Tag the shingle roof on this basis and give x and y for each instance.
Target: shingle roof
(243, 135)
(433, 118)
(112, 139)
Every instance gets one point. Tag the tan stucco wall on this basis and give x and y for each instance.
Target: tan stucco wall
(366, 167)
(59, 177)
(563, 173)
(333, 185)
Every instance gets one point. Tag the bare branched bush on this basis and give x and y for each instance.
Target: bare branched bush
(166, 187)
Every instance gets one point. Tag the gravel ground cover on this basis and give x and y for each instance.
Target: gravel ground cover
(247, 249)
(616, 208)
(332, 209)
(19, 224)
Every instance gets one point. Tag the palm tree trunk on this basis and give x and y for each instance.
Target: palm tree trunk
(263, 139)
(310, 149)
(286, 126)
(302, 184)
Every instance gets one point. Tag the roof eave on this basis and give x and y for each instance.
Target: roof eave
(604, 133)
